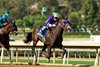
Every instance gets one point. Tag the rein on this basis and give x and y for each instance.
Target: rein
(61, 25)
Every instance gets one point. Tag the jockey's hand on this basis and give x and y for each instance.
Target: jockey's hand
(48, 27)
(54, 25)
(5, 23)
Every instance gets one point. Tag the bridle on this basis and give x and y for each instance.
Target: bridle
(11, 27)
(64, 25)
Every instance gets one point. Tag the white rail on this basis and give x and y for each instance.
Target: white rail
(84, 45)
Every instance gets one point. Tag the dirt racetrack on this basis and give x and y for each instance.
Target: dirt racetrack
(26, 65)
(41, 65)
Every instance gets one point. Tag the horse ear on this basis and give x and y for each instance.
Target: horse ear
(63, 17)
(12, 21)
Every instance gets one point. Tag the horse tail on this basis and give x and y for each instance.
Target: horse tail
(28, 37)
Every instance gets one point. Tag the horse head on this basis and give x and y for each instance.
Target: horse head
(65, 24)
(13, 27)
(10, 27)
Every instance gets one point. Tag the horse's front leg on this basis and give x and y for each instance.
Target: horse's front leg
(9, 53)
(48, 53)
(64, 52)
(10, 56)
(60, 46)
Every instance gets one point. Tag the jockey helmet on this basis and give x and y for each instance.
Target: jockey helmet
(5, 15)
(56, 15)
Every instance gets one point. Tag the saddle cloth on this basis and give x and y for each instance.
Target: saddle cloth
(40, 32)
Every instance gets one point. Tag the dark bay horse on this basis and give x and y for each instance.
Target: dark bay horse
(53, 38)
(4, 35)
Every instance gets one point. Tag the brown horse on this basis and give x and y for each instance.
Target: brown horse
(53, 38)
(4, 35)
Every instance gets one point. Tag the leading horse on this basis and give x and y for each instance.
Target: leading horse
(53, 38)
(4, 35)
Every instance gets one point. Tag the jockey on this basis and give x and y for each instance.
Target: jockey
(51, 22)
(4, 19)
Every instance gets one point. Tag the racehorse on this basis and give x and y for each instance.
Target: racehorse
(53, 38)
(4, 35)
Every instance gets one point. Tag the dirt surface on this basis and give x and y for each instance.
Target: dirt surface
(41, 65)
(26, 65)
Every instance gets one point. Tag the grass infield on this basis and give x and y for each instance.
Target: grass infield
(57, 61)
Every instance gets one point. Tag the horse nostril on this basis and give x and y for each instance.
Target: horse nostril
(15, 32)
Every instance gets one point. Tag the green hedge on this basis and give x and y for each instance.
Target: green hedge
(76, 35)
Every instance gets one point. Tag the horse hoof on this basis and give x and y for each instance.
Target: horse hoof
(48, 60)
(30, 63)
(44, 54)
(36, 64)
(11, 63)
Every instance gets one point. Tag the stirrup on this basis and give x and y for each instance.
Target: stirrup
(42, 37)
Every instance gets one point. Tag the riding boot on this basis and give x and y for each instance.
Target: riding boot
(43, 31)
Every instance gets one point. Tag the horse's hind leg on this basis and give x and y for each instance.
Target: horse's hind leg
(44, 47)
(33, 51)
(44, 53)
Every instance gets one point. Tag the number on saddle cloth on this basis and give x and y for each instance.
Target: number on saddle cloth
(42, 31)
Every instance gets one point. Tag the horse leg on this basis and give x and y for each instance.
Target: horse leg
(62, 48)
(10, 56)
(44, 53)
(64, 52)
(33, 51)
(44, 47)
(48, 53)
(9, 53)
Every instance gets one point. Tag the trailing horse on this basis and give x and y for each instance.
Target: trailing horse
(4, 35)
(53, 38)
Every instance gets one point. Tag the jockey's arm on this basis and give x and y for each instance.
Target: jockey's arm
(51, 25)
(4, 24)
(5, 21)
